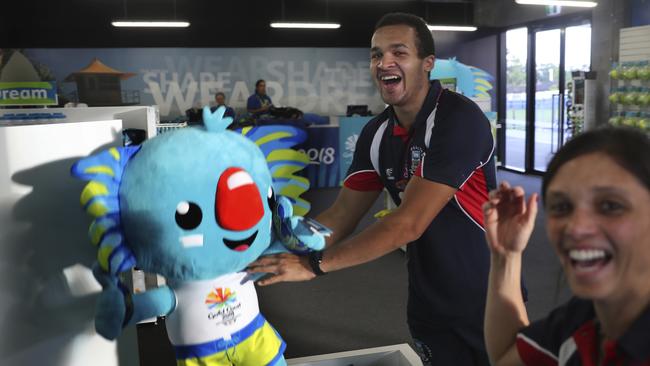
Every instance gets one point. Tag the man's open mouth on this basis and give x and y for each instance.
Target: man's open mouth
(240, 245)
(390, 79)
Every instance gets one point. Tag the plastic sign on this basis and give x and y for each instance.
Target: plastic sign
(28, 93)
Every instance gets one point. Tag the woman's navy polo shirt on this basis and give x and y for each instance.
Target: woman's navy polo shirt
(569, 337)
(451, 143)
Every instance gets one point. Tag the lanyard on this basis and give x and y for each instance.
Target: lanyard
(263, 101)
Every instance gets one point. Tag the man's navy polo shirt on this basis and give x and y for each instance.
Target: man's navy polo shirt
(569, 336)
(450, 143)
(257, 101)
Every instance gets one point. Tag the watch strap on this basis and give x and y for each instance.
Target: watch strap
(315, 259)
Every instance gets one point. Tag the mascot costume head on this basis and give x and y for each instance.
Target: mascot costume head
(197, 206)
(471, 81)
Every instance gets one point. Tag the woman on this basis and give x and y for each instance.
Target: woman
(596, 194)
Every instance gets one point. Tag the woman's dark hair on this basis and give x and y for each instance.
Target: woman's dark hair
(423, 40)
(257, 83)
(628, 147)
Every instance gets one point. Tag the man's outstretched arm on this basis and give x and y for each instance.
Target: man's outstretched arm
(422, 201)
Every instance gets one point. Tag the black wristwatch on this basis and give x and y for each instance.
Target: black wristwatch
(315, 259)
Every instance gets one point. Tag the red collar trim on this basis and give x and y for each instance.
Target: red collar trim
(399, 130)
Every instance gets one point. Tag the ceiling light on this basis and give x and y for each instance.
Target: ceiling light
(458, 28)
(305, 25)
(580, 4)
(151, 24)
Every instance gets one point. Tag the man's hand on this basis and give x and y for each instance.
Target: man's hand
(283, 267)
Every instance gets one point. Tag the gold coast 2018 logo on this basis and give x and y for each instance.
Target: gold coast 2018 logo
(220, 297)
(222, 303)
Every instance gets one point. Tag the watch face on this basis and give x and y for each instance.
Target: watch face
(318, 256)
(315, 259)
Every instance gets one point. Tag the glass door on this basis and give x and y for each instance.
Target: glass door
(515, 118)
(538, 65)
(577, 57)
(548, 96)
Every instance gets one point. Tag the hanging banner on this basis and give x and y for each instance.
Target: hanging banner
(37, 93)
(349, 131)
(323, 81)
(321, 147)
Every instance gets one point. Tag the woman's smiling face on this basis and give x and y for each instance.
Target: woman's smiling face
(598, 221)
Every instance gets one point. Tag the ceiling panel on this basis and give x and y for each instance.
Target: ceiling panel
(231, 23)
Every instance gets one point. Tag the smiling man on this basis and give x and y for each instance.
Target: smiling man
(432, 150)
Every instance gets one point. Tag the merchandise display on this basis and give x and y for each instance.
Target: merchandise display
(197, 205)
(630, 94)
(580, 103)
(575, 113)
(630, 71)
(32, 116)
(167, 127)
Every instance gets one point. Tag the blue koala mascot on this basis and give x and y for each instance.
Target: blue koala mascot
(197, 206)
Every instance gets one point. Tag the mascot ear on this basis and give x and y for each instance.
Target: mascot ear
(100, 199)
(106, 166)
(277, 142)
(215, 122)
(104, 171)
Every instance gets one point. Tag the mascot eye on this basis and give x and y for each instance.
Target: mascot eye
(238, 203)
(188, 215)
(271, 199)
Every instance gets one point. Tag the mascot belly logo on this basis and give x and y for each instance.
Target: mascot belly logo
(220, 297)
(223, 304)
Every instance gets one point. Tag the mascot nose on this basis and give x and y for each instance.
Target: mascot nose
(238, 204)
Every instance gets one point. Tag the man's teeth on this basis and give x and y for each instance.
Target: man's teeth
(586, 254)
(389, 77)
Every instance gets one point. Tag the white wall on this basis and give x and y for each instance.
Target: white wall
(47, 293)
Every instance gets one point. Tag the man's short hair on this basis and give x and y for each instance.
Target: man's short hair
(257, 83)
(423, 38)
(218, 94)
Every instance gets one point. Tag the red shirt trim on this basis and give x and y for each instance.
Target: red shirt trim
(532, 353)
(400, 132)
(364, 180)
(472, 195)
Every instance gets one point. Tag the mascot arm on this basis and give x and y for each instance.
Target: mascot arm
(156, 302)
(297, 234)
(117, 308)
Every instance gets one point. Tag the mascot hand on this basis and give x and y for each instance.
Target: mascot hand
(298, 234)
(216, 118)
(309, 233)
(111, 307)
